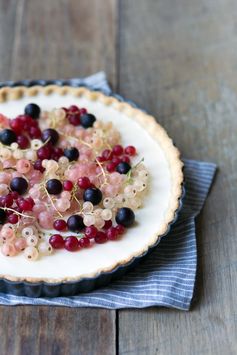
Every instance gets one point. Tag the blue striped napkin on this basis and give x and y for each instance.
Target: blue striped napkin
(167, 276)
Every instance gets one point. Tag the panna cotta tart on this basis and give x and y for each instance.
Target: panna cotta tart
(87, 184)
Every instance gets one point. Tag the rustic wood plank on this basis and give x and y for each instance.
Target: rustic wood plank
(7, 28)
(178, 60)
(53, 330)
(62, 39)
(52, 39)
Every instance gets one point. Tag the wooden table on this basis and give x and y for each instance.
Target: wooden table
(178, 60)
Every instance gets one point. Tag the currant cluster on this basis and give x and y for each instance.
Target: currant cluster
(65, 171)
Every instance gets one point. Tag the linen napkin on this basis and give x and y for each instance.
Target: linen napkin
(167, 276)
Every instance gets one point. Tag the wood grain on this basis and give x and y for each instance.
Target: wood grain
(65, 38)
(53, 39)
(178, 60)
(56, 331)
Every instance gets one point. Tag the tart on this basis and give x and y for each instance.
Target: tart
(93, 183)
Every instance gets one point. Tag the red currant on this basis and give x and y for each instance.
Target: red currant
(23, 142)
(111, 167)
(31, 201)
(25, 205)
(57, 153)
(84, 242)
(44, 152)
(91, 232)
(34, 133)
(38, 165)
(84, 182)
(74, 119)
(130, 150)
(56, 241)
(100, 159)
(125, 159)
(73, 108)
(60, 225)
(117, 149)
(107, 224)
(100, 238)
(116, 160)
(71, 243)
(83, 111)
(107, 154)
(7, 201)
(67, 185)
(14, 194)
(16, 125)
(13, 218)
(120, 229)
(112, 233)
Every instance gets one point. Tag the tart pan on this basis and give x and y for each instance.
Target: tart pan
(71, 288)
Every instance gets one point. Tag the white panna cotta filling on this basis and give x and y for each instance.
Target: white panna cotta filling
(149, 218)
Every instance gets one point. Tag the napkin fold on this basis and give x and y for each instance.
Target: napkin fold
(167, 276)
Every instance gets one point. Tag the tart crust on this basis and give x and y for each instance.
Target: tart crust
(149, 124)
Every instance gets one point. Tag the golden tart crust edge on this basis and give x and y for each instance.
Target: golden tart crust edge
(146, 121)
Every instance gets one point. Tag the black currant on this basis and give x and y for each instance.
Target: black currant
(125, 216)
(54, 186)
(32, 110)
(93, 195)
(87, 120)
(7, 136)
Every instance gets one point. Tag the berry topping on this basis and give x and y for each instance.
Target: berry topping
(19, 184)
(123, 168)
(84, 182)
(73, 108)
(71, 153)
(101, 238)
(71, 243)
(87, 120)
(125, 159)
(83, 111)
(107, 154)
(84, 242)
(111, 167)
(130, 150)
(67, 185)
(54, 186)
(38, 165)
(56, 241)
(7, 201)
(60, 225)
(120, 229)
(16, 125)
(125, 216)
(56, 153)
(32, 110)
(75, 223)
(107, 224)
(7, 136)
(34, 132)
(23, 142)
(44, 152)
(91, 232)
(93, 195)
(13, 218)
(118, 150)
(112, 233)
(25, 204)
(74, 119)
(50, 135)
